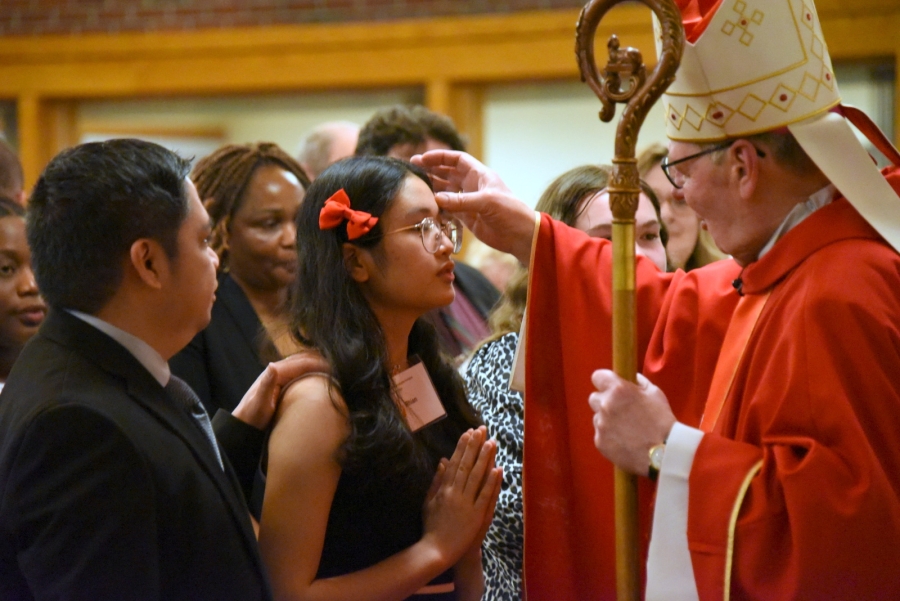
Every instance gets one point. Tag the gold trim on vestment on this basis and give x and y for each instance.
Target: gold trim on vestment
(732, 524)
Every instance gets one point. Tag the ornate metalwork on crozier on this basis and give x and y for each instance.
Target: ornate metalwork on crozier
(623, 65)
(623, 201)
(624, 80)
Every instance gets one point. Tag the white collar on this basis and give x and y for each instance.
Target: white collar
(143, 352)
(800, 212)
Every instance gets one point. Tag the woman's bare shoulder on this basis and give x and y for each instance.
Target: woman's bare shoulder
(312, 390)
(311, 402)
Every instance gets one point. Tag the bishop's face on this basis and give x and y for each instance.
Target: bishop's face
(708, 189)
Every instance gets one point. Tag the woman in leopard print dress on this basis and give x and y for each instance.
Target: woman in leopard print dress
(577, 198)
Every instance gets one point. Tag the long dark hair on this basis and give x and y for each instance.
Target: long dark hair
(331, 314)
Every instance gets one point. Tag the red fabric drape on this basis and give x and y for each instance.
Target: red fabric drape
(696, 15)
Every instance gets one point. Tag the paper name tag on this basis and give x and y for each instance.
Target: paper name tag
(421, 404)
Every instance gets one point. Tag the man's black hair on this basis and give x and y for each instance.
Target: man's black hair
(89, 206)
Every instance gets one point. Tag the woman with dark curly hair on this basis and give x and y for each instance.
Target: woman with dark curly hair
(360, 502)
(252, 193)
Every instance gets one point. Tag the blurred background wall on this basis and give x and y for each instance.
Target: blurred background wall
(193, 74)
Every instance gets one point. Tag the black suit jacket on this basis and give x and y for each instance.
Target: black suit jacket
(222, 361)
(108, 491)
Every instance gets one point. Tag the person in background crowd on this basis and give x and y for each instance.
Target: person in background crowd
(113, 484)
(403, 131)
(577, 198)
(690, 245)
(12, 178)
(356, 505)
(252, 193)
(326, 144)
(22, 309)
(400, 132)
(494, 265)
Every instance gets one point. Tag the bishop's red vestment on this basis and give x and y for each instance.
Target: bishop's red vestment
(795, 493)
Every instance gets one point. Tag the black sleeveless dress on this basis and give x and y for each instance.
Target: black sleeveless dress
(373, 517)
(370, 521)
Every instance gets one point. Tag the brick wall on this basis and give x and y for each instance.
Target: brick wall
(37, 17)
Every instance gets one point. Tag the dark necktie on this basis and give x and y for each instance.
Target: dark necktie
(185, 397)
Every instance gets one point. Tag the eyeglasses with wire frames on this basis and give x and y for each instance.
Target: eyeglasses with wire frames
(433, 233)
(676, 178)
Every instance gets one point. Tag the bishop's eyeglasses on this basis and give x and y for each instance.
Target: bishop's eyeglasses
(676, 177)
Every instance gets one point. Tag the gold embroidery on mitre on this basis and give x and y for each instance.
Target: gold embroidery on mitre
(817, 48)
(783, 97)
(743, 22)
(694, 118)
(807, 16)
(827, 77)
(752, 106)
(778, 75)
(718, 114)
(675, 118)
(809, 86)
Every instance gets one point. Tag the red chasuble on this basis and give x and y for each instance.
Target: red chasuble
(568, 485)
(795, 494)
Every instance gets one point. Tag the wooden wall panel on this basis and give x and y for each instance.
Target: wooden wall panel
(451, 59)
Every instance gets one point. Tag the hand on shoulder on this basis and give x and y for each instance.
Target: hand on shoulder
(259, 404)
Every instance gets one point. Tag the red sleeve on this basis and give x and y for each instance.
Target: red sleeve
(568, 490)
(819, 411)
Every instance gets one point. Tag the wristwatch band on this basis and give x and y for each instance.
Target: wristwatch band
(656, 458)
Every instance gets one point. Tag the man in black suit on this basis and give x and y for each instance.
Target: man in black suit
(111, 483)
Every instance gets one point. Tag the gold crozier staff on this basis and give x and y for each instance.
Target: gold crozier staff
(624, 80)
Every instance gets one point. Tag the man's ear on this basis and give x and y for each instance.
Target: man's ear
(355, 262)
(150, 262)
(745, 167)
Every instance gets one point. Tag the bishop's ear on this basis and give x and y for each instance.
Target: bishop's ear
(355, 262)
(746, 165)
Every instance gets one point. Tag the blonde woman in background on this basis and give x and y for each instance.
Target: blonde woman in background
(689, 246)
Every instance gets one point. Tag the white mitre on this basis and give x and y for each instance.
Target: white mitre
(761, 65)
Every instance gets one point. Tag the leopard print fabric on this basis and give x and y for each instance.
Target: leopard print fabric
(502, 410)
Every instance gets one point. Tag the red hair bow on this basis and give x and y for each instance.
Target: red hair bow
(337, 209)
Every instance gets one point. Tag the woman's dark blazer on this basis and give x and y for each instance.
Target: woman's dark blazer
(222, 361)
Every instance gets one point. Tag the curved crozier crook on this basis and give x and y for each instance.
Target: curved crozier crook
(642, 92)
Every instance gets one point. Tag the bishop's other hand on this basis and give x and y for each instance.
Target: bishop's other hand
(629, 419)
